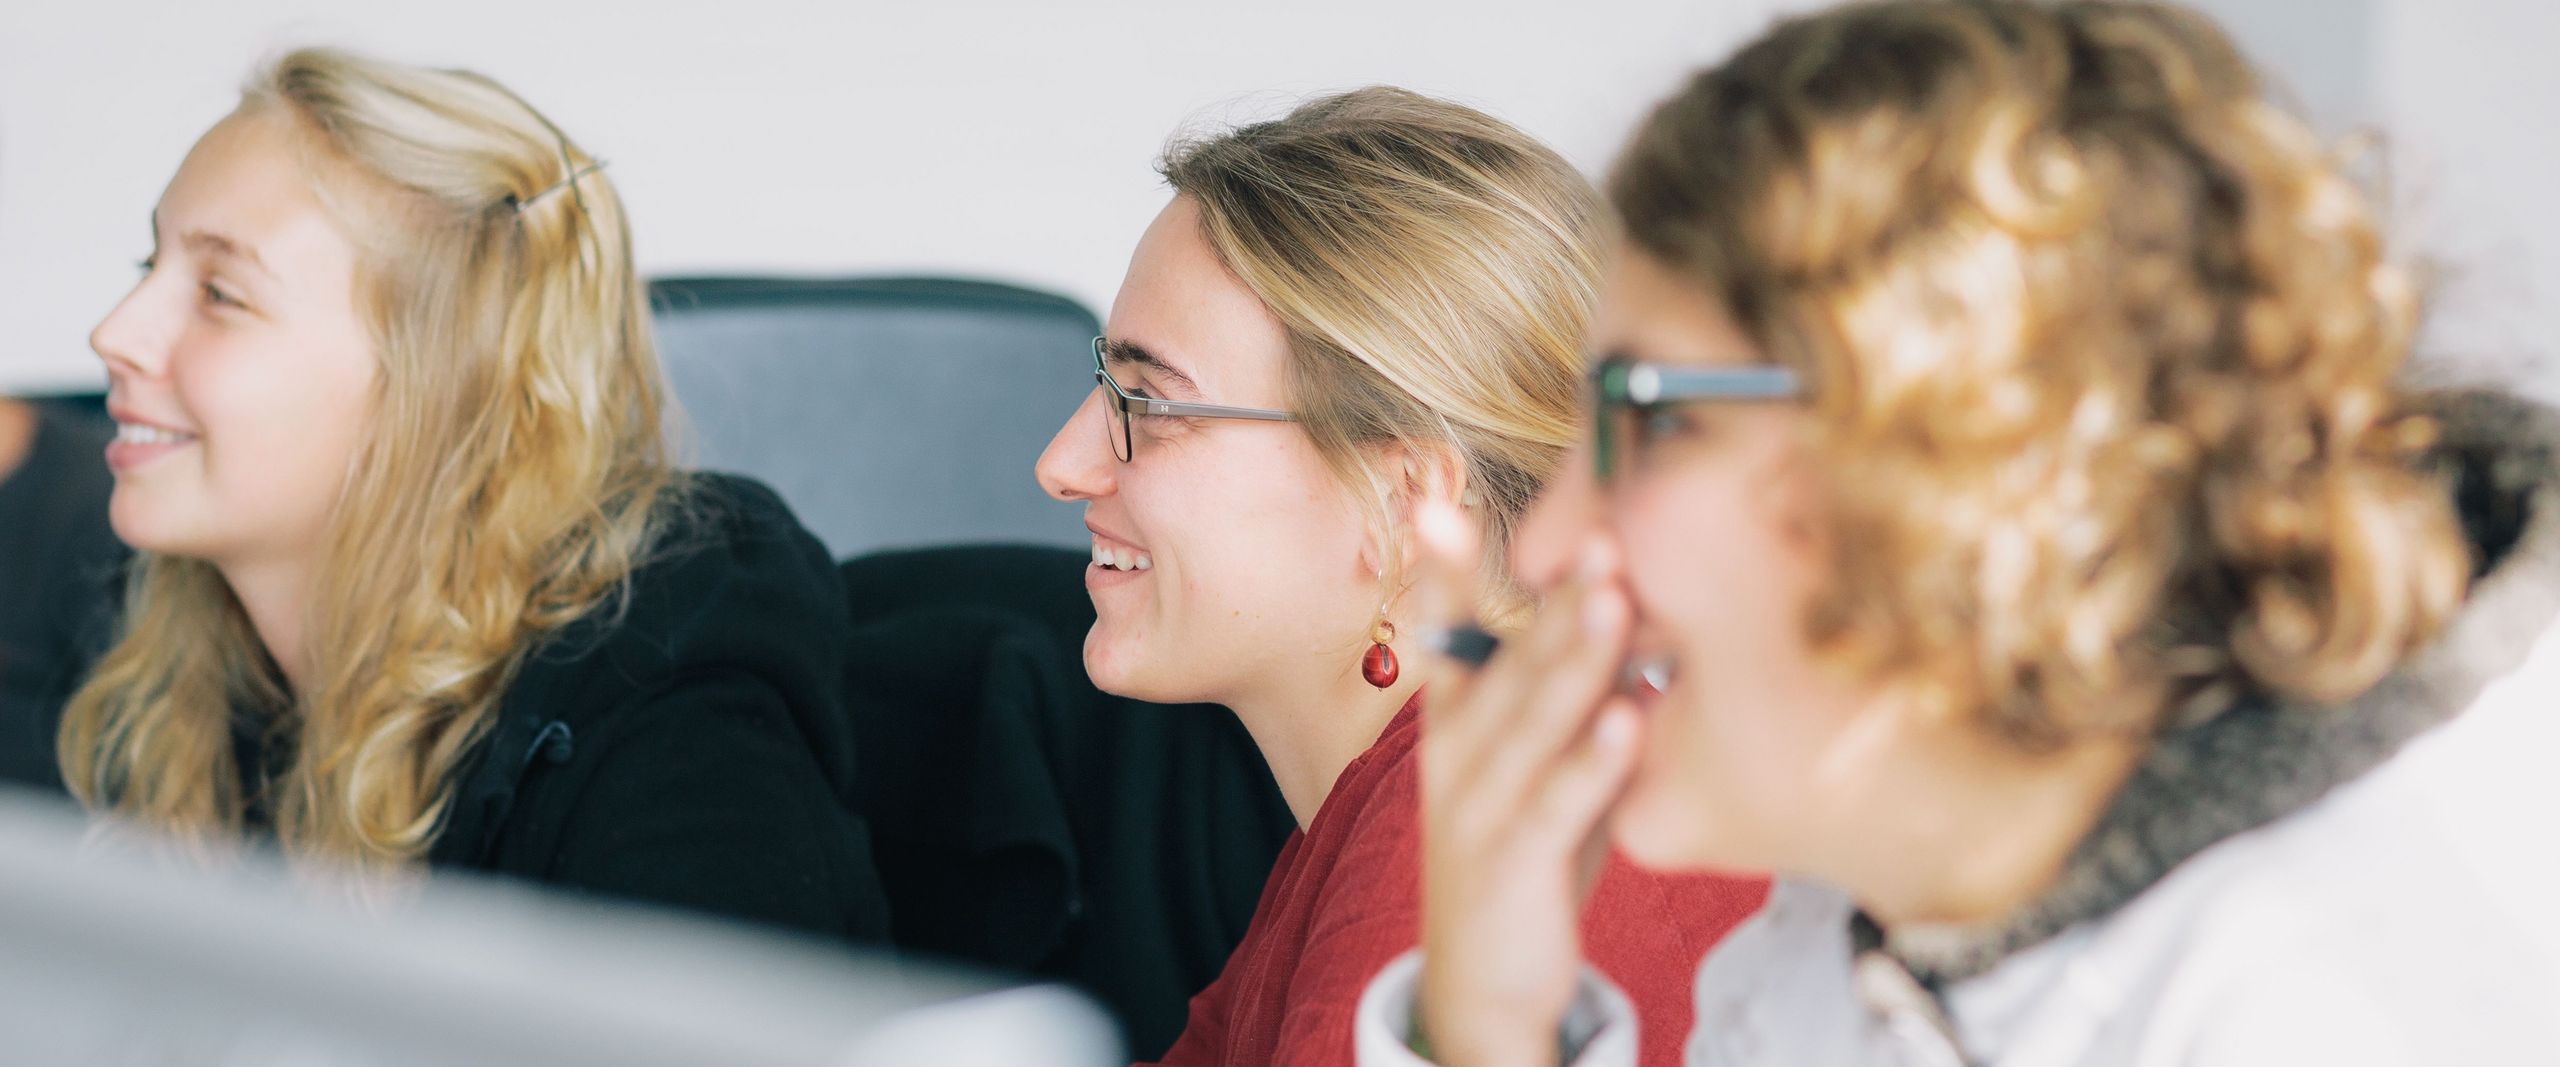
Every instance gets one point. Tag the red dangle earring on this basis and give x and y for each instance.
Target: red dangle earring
(1378, 665)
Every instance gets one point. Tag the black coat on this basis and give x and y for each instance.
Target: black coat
(690, 749)
(1024, 819)
(59, 568)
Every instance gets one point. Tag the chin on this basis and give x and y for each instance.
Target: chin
(1100, 666)
(1660, 829)
(1132, 666)
(141, 527)
(1116, 666)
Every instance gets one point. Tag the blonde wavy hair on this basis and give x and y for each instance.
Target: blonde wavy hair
(2102, 347)
(510, 481)
(1436, 270)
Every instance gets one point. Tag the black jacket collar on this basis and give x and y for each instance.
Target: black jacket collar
(733, 584)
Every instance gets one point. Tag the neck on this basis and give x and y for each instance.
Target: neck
(1311, 722)
(276, 598)
(1994, 834)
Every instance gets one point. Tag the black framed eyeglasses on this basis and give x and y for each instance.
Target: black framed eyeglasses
(1127, 406)
(1625, 391)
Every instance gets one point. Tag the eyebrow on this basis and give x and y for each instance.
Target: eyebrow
(213, 245)
(1128, 352)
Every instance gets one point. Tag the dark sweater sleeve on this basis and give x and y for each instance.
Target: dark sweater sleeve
(704, 797)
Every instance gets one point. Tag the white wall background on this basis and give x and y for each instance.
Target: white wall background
(1014, 140)
(2468, 91)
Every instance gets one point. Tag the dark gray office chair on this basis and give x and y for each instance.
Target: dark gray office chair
(888, 412)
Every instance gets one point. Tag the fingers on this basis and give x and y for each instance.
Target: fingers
(1451, 560)
(1552, 683)
(1571, 811)
(1444, 589)
(1521, 762)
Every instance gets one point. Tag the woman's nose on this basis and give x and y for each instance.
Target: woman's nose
(1078, 464)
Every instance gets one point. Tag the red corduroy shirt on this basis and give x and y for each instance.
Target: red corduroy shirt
(1345, 898)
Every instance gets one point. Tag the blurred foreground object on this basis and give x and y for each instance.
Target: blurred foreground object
(110, 957)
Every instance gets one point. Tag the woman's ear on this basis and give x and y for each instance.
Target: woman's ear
(1411, 474)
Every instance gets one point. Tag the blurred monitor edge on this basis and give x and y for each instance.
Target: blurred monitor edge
(116, 955)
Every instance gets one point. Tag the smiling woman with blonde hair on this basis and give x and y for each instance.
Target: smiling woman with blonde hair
(419, 582)
(1372, 303)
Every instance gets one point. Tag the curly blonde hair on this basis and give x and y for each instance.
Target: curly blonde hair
(512, 478)
(2102, 345)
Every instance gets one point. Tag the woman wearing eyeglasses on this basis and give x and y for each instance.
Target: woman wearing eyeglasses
(2001, 465)
(1374, 302)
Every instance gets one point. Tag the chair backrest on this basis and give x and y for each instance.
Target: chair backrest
(888, 412)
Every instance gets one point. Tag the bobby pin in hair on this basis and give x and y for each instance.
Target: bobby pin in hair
(563, 183)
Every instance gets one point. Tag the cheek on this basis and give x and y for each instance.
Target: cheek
(1249, 518)
(1722, 590)
(288, 410)
(281, 423)
(1712, 571)
(1256, 556)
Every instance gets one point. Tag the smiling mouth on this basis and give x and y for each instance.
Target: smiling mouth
(134, 433)
(1647, 674)
(1113, 558)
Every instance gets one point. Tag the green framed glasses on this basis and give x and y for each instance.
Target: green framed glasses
(1626, 391)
